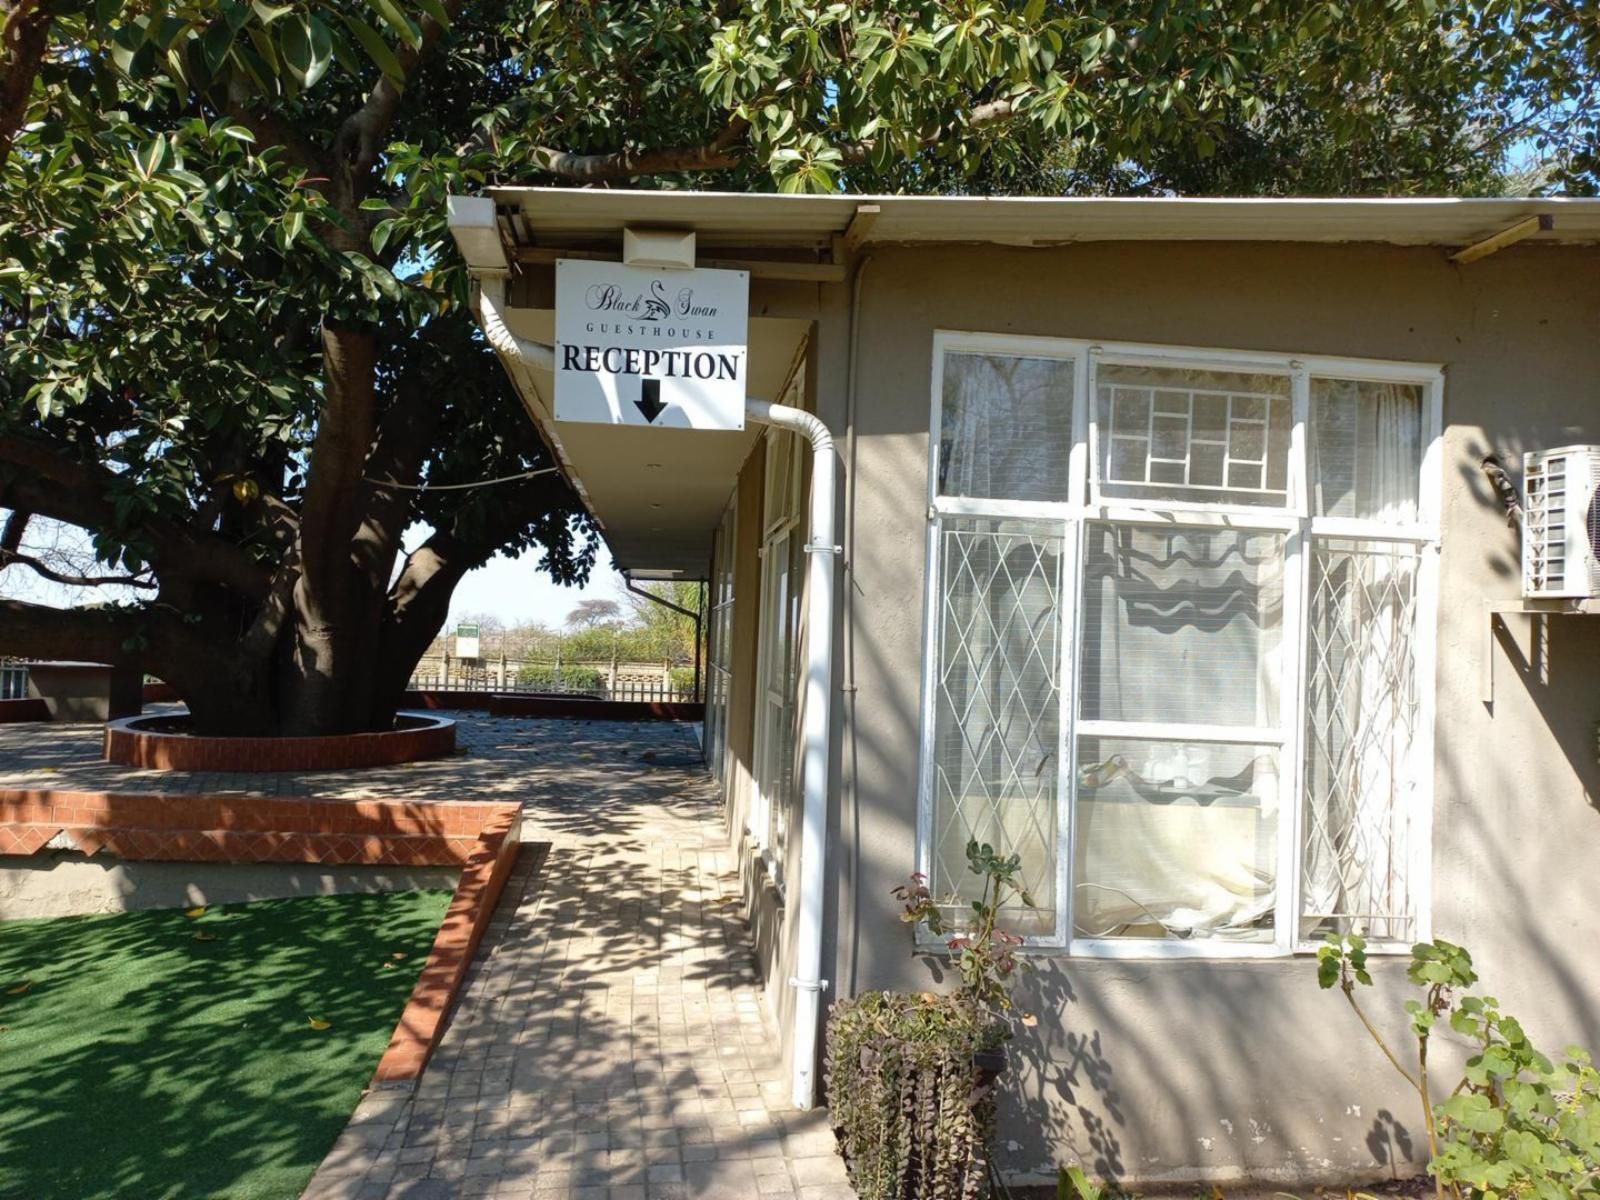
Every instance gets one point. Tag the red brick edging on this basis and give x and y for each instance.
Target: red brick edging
(471, 909)
(515, 704)
(478, 836)
(131, 742)
(502, 705)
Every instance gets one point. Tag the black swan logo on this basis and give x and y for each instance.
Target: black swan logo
(655, 305)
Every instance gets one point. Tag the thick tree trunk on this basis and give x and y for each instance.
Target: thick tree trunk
(323, 684)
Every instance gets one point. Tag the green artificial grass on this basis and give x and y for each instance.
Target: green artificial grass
(161, 1055)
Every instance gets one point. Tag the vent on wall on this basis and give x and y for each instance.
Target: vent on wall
(1561, 529)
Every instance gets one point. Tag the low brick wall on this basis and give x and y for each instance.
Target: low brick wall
(133, 743)
(479, 837)
(29, 709)
(155, 826)
(447, 700)
(505, 705)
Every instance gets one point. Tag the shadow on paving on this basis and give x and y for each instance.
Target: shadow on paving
(610, 1036)
(153, 1055)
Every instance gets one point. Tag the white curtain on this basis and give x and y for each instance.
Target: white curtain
(1366, 449)
(1366, 441)
(1005, 427)
(1178, 837)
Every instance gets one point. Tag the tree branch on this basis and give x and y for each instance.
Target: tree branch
(81, 634)
(404, 438)
(8, 557)
(992, 112)
(270, 130)
(720, 154)
(22, 49)
(360, 137)
(53, 485)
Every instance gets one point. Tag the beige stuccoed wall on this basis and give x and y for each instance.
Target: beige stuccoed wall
(1176, 1070)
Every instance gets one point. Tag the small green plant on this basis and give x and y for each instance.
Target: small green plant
(1073, 1184)
(1517, 1124)
(987, 954)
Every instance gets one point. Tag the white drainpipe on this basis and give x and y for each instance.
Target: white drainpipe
(807, 981)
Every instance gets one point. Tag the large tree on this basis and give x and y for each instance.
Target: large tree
(235, 344)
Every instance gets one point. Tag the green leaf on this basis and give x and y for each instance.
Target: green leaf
(381, 232)
(436, 11)
(215, 44)
(377, 49)
(307, 48)
(1473, 1112)
(268, 13)
(148, 161)
(397, 21)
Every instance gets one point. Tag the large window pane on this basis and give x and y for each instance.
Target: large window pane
(997, 707)
(1361, 721)
(1005, 428)
(1366, 449)
(1182, 624)
(1175, 840)
(1208, 437)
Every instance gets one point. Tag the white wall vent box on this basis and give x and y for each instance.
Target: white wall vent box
(658, 247)
(1561, 525)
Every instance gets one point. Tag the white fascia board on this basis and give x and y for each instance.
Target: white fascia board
(477, 232)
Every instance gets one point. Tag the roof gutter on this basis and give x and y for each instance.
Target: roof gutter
(822, 549)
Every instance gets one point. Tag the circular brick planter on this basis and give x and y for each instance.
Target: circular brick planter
(159, 743)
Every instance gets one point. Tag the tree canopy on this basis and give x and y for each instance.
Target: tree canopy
(235, 339)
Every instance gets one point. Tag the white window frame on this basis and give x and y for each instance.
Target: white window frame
(719, 660)
(782, 523)
(1085, 505)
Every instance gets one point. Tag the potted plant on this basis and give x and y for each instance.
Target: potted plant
(910, 1077)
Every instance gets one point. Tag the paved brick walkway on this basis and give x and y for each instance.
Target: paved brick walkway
(611, 1042)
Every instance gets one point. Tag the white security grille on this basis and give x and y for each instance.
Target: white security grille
(1361, 723)
(1182, 668)
(997, 731)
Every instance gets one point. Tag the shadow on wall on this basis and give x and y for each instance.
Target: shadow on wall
(1556, 658)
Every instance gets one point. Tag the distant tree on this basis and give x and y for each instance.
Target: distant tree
(594, 612)
(667, 633)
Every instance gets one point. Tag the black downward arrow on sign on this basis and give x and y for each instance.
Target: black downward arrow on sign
(649, 402)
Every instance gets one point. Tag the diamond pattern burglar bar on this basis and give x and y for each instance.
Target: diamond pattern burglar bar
(1361, 725)
(996, 705)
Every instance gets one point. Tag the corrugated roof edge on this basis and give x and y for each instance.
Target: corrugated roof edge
(562, 215)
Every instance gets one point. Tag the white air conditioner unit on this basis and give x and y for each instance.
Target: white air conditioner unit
(1561, 525)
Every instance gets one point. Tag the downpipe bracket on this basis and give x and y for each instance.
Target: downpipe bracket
(808, 985)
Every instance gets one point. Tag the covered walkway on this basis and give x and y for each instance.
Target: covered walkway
(611, 1043)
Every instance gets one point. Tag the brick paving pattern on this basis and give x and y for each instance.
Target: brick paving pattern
(611, 1042)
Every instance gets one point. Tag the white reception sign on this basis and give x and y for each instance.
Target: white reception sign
(646, 346)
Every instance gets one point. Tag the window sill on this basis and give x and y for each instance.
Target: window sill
(1086, 949)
